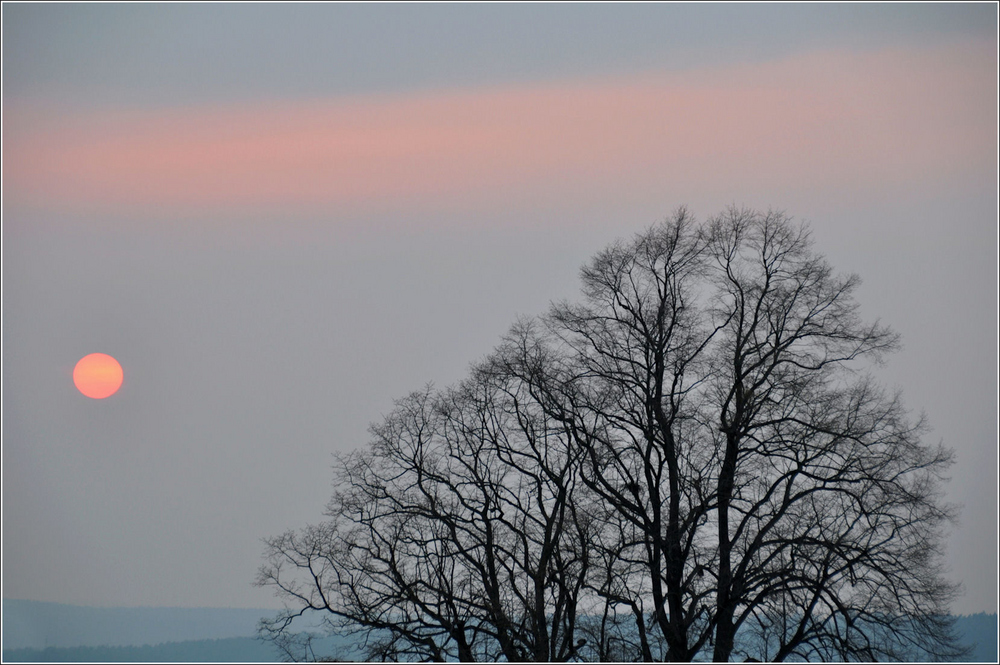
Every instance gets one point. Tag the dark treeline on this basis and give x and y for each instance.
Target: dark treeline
(225, 650)
(691, 462)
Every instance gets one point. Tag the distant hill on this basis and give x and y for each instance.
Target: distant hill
(50, 632)
(29, 624)
(229, 650)
(980, 632)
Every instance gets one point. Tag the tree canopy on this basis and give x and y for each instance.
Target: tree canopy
(690, 462)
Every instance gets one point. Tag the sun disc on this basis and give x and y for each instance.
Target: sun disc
(98, 375)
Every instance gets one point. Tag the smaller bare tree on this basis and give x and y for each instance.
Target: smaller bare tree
(454, 536)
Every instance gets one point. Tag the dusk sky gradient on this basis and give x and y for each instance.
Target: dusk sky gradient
(279, 219)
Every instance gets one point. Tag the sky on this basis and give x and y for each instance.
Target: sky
(279, 219)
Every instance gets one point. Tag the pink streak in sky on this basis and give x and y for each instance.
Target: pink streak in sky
(831, 121)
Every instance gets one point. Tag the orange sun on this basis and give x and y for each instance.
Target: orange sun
(98, 375)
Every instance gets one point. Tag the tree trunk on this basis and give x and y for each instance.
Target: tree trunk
(724, 630)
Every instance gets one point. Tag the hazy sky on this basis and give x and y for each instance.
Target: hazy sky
(281, 218)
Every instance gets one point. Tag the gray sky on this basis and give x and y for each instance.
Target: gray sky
(488, 151)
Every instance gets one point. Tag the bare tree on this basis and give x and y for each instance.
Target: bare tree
(632, 364)
(691, 462)
(454, 536)
(826, 508)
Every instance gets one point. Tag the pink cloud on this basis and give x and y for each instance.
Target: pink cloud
(827, 120)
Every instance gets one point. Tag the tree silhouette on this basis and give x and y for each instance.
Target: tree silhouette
(690, 462)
